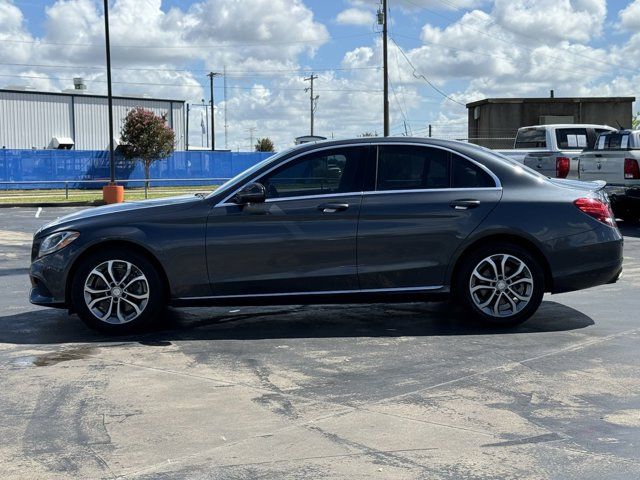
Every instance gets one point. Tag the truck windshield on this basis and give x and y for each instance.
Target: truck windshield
(531, 138)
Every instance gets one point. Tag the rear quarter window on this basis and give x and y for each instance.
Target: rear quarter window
(465, 174)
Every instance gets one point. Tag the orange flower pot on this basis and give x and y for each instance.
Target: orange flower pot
(113, 193)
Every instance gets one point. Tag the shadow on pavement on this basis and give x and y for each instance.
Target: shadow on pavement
(251, 323)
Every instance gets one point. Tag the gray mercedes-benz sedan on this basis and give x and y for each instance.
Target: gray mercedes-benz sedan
(364, 220)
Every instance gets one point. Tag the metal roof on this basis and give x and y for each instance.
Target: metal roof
(89, 95)
(487, 101)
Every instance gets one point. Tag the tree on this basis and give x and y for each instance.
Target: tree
(264, 145)
(635, 122)
(146, 137)
(369, 134)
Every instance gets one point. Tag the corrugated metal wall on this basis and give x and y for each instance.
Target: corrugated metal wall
(30, 120)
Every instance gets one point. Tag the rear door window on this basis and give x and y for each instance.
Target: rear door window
(407, 167)
(531, 138)
(572, 138)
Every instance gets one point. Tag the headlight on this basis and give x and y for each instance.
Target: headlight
(55, 242)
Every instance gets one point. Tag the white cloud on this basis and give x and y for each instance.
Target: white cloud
(355, 16)
(552, 20)
(630, 16)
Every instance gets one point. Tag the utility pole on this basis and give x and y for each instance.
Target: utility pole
(226, 124)
(186, 142)
(211, 75)
(206, 123)
(313, 100)
(382, 19)
(112, 163)
(251, 130)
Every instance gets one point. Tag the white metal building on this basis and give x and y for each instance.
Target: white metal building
(30, 119)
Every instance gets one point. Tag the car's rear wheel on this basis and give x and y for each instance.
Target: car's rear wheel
(500, 284)
(117, 291)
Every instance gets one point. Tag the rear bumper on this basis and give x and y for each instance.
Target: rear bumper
(586, 260)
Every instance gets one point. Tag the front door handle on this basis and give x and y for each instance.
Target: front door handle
(464, 204)
(333, 207)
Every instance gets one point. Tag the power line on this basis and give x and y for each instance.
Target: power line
(164, 47)
(420, 75)
(240, 73)
(198, 85)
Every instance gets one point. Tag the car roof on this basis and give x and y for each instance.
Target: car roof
(368, 140)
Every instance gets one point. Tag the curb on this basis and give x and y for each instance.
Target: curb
(52, 204)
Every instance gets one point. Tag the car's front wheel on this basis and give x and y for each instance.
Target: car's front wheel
(501, 284)
(117, 291)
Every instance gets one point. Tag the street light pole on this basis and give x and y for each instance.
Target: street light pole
(211, 75)
(112, 164)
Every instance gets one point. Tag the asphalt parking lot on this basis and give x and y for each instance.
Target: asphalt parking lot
(350, 391)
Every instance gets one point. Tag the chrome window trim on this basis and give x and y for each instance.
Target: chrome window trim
(283, 162)
(327, 292)
(300, 197)
(426, 190)
(370, 192)
(498, 184)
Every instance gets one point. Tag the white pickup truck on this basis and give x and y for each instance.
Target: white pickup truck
(616, 160)
(551, 149)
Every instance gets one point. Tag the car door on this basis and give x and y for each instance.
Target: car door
(426, 201)
(302, 239)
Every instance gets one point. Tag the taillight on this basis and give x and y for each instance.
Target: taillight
(631, 169)
(562, 167)
(596, 209)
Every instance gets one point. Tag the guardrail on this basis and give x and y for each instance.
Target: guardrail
(66, 183)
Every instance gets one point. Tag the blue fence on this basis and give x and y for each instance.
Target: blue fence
(75, 165)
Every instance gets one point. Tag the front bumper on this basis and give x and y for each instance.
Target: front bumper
(48, 276)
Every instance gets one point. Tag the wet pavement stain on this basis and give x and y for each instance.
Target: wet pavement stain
(54, 358)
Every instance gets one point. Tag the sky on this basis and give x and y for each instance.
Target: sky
(442, 55)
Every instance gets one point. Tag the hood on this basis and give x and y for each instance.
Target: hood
(121, 207)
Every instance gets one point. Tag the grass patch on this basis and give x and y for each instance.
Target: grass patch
(130, 194)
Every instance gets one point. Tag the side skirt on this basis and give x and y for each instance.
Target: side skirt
(319, 298)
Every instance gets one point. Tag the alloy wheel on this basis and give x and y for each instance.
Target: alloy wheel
(501, 285)
(116, 292)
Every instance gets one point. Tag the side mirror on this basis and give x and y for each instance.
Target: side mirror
(251, 193)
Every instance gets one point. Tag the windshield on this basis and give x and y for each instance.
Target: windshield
(249, 171)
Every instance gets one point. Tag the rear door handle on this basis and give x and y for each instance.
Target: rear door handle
(464, 204)
(333, 207)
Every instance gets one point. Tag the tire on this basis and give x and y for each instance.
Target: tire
(524, 286)
(122, 287)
